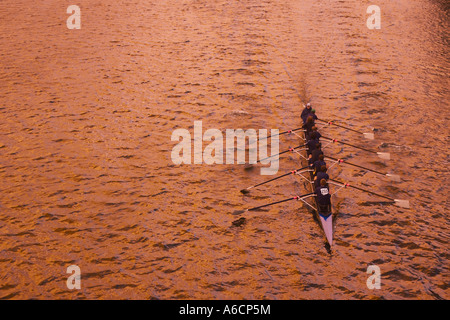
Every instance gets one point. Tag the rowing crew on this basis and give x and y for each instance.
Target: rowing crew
(316, 157)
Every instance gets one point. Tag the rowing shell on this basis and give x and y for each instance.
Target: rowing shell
(323, 214)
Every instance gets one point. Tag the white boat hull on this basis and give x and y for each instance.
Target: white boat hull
(327, 225)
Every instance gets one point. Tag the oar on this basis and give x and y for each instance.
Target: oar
(393, 177)
(270, 204)
(284, 132)
(367, 135)
(289, 150)
(382, 155)
(246, 190)
(398, 202)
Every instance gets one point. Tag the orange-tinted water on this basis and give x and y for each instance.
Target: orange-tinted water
(85, 148)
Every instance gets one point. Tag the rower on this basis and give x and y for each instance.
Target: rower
(323, 195)
(314, 156)
(306, 112)
(308, 124)
(314, 129)
(312, 142)
(318, 164)
(322, 174)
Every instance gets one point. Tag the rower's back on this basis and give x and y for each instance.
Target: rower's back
(323, 194)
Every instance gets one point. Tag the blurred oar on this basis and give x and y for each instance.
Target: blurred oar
(397, 202)
(393, 177)
(289, 150)
(284, 132)
(382, 155)
(246, 190)
(271, 204)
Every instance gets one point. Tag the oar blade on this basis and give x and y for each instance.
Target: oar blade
(245, 191)
(393, 177)
(402, 203)
(238, 212)
(384, 155)
(369, 135)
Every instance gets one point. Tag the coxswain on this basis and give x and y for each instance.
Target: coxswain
(313, 114)
(323, 194)
(322, 174)
(306, 112)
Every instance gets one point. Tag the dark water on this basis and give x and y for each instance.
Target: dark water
(85, 148)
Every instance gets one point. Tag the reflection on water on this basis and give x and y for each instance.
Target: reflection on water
(87, 179)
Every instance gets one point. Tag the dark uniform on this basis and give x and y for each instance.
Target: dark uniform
(315, 155)
(320, 175)
(308, 126)
(323, 196)
(318, 165)
(305, 113)
(311, 144)
(317, 134)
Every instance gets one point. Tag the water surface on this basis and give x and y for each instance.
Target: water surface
(85, 168)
